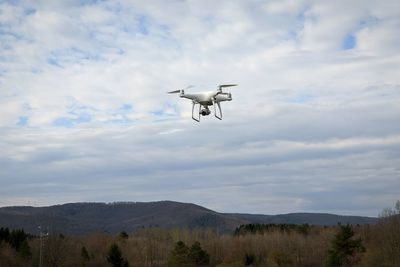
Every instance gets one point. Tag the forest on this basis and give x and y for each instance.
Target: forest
(249, 245)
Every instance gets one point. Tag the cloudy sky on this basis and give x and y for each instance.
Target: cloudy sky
(314, 125)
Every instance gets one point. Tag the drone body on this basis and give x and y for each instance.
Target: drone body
(206, 99)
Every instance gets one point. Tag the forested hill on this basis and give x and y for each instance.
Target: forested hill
(83, 218)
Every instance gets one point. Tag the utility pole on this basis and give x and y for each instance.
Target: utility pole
(41, 235)
(40, 247)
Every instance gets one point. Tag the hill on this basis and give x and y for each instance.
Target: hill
(83, 218)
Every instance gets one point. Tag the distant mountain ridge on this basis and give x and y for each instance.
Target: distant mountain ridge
(84, 218)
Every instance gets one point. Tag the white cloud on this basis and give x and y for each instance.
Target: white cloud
(84, 107)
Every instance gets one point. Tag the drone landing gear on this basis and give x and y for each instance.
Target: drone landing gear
(218, 116)
(206, 111)
(198, 118)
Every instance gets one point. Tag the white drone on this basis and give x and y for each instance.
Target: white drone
(205, 99)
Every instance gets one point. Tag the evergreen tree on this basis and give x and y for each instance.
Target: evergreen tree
(18, 239)
(344, 249)
(24, 249)
(179, 255)
(114, 256)
(4, 234)
(84, 254)
(123, 235)
(249, 259)
(183, 256)
(198, 256)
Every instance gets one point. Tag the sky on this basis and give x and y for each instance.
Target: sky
(313, 125)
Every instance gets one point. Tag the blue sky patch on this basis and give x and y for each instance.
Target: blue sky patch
(63, 122)
(143, 25)
(119, 115)
(158, 112)
(172, 108)
(70, 55)
(82, 118)
(53, 61)
(90, 2)
(71, 122)
(29, 11)
(126, 107)
(301, 99)
(23, 121)
(349, 42)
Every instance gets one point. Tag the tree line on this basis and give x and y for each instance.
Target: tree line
(256, 228)
(264, 245)
(17, 239)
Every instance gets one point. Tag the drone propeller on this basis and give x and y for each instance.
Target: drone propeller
(226, 85)
(179, 91)
(219, 91)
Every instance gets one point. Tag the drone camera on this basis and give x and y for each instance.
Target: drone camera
(205, 112)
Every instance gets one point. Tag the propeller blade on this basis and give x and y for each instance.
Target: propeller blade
(182, 90)
(226, 85)
(174, 92)
(187, 87)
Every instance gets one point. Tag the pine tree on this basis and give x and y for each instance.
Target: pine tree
(198, 256)
(345, 250)
(114, 256)
(179, 255)
(85, 254)
(183, 256)
(4, 234)
(123, 235)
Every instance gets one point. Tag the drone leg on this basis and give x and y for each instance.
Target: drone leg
(198, 120)
(218, 116)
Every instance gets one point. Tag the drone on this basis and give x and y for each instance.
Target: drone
(206, 99)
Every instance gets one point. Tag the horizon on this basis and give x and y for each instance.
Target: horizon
(313, 125)
(157, 201)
